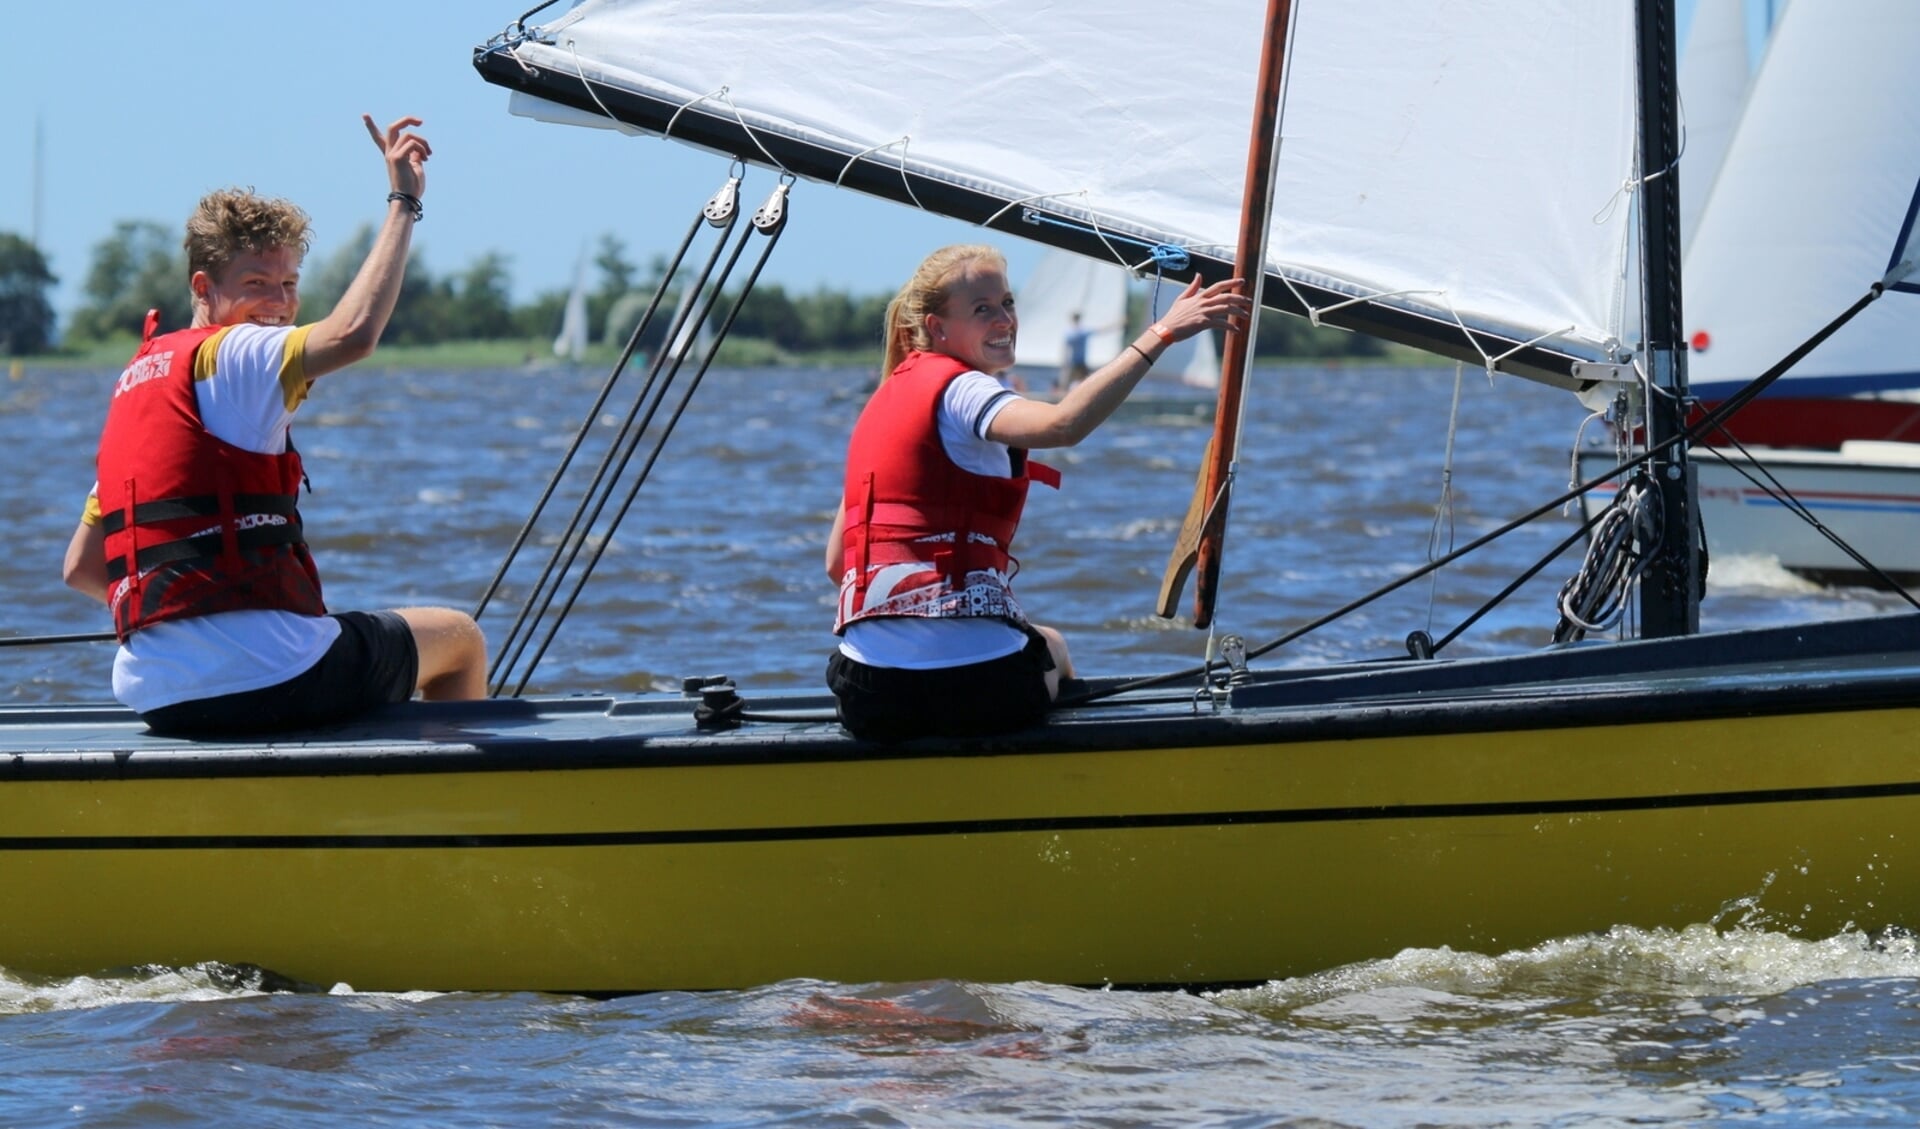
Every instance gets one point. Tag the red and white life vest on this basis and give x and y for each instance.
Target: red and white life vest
(194, 525)
(923, 536)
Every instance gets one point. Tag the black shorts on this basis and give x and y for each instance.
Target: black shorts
(373, 662)
(891, 704)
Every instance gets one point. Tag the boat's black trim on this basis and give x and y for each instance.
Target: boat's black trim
(1874, 637)
(1845, 666)
(1857, 577)
(694, 125)
(1140, 821)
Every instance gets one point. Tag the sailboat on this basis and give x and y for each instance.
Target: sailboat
(1790, 227)
(1063, 285)
(1229, 824)
(688, 337)
(1065, 291)
(571, 342)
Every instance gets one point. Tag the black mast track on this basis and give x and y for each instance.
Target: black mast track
(1670, 589)
(725, 135)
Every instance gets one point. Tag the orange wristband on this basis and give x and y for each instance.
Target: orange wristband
(1162, 332)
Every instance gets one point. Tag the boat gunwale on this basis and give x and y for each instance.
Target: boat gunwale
(1703, 678)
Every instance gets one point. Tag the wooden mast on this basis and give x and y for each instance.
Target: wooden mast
(1203, 533)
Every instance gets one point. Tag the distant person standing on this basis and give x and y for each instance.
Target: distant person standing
(1073, 360)
(192, 536)
(932, 639)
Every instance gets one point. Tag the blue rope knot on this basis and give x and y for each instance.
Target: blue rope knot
(1165, 257)
(1168, 257)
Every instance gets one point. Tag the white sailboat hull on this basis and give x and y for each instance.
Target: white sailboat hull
(1868, 494)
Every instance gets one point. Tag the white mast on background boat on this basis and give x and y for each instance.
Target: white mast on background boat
(39, 152)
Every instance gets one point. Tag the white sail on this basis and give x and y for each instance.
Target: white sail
(1061, 285)
(1813, 203)
(687, 339)
(571, 343)
(1461, 165)
(1715, 73)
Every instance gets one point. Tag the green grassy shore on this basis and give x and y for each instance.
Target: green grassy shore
(468, 355)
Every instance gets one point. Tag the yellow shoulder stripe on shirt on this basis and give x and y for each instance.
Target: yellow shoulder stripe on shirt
(294, 382)
(293, 363)
(209, 352)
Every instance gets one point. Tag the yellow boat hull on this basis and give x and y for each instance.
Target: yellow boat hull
(641, 863)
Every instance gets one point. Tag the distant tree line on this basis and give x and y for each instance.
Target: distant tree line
(26, 317)
(140, 266)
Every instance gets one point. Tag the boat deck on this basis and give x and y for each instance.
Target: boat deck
(1867, 663)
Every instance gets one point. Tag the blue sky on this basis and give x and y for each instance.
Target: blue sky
(143, 105)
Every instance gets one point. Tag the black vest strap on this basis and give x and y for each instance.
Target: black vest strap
(199, 505)
(207, 546)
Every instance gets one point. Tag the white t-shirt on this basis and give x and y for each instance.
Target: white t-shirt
(249, 380)
(970, 403)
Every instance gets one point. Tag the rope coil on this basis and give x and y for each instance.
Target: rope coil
(1623, 544)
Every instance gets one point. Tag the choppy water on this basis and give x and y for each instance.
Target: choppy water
(423, 479)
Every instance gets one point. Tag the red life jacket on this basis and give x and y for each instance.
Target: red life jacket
(194, 525)
(923, 536)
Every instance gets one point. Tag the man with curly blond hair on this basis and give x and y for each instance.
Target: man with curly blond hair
(193, 537)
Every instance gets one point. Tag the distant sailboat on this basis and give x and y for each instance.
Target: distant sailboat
(1061, 285)
(688, 337)
(571, 344)
(1195, 362)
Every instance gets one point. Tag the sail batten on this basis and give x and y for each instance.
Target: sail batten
(1426, 163)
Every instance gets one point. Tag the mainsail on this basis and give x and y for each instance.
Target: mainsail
(1814, 203)
(1458, 173)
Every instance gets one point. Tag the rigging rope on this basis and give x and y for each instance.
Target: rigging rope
(48, 640)
(1443, 510)
(720, 210)
(545, 605)
(1707, 424)
(906, 183)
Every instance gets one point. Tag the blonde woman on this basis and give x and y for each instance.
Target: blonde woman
(932, 640)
